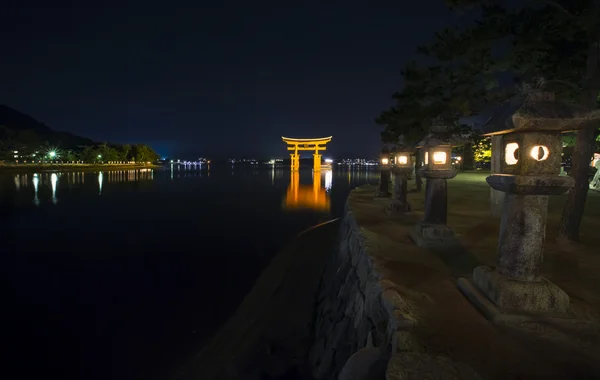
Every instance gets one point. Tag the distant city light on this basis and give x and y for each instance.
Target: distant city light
(328, 160)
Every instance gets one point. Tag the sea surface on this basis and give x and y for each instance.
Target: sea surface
(123, 274)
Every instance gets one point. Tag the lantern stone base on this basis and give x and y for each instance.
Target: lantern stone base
(397, 208)
(433, 235)
(501, 298)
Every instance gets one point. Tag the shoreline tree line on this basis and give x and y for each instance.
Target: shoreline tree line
(30, 146)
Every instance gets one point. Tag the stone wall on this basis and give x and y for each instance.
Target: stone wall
(352, 310)
(269, 336)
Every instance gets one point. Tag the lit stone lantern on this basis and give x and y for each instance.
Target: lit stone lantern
(385, 165)
(438, 157)
(402, 169)
(530, 125)
(437, 169)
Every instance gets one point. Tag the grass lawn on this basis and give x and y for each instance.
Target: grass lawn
(445, 321)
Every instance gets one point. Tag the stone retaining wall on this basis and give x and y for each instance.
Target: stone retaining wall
(352, 312)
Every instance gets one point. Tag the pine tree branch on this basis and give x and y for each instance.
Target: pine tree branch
(565, 83)
(557, 6)
(472, 3)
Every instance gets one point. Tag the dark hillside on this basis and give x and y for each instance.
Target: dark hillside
(17, 128)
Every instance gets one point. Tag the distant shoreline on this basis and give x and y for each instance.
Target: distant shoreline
(72, 167)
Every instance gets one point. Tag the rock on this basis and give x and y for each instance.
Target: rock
(407, 342)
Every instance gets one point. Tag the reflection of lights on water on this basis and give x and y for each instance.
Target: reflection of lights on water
(18, 182)
(100, 180)
(328, 180)
(53, 182)
(36, 182)
(303, 197)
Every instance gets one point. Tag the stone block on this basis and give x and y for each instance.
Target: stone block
(524, 296)
(433, 235)
(365, 364)
(415, 366)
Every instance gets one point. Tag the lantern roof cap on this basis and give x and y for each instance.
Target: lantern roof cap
(533, 109)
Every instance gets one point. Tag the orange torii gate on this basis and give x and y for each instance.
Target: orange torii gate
(306, 144)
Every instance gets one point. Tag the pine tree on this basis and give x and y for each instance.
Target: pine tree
(556, 40)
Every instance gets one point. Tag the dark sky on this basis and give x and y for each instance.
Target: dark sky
(221, 80)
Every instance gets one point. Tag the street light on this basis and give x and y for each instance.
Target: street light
(52, 154)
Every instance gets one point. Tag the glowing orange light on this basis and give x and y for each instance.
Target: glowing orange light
(540, 152)
(439, 158)
(510, 156)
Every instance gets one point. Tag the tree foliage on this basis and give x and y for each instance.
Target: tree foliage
(550, 44)
(101, 153)
(429, 93)
(482, 150)
(547, 39)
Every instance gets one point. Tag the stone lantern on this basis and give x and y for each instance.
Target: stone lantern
(437, 169)
(385, 165)
(530, 125)
(402, 170)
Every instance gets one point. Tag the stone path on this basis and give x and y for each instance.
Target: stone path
(445, 323)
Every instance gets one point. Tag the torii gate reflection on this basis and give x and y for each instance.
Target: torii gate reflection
(302, 197)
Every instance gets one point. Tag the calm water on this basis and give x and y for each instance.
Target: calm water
(121, 274)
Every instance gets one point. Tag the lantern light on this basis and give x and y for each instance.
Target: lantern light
(511, 153)
(402, 160)
(439, 158)
(385, 161)
(540, 152)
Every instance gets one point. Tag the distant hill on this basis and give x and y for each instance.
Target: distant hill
(17, 128)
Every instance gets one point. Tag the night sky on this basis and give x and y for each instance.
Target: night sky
(227, 79)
